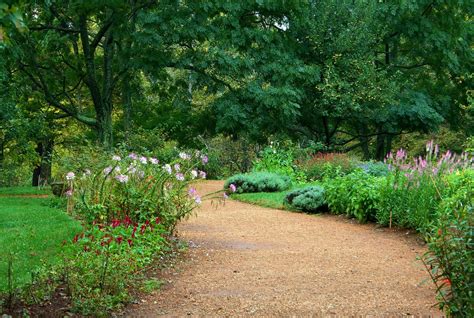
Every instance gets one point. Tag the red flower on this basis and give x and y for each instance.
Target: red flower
(86, 248)
(134, 230)
(447, 281)
(142, 229)
(119, 239)
(76, 237)
(129, 242)
(127, 221)
(115, 223)
(147, 222)
(158, 220)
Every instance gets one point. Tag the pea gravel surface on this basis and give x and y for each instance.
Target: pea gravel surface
(245, 260)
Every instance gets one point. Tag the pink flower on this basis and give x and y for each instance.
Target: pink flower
(70, 176)
(232, 187)
(225, 196)
(180, 176)
(133, 156)
(122, 178)
(204, 159)
(202, 174)
(143, 160)
(69, 193)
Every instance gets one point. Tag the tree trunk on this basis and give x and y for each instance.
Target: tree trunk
(127, 108)
(380, 145)
(42, 172)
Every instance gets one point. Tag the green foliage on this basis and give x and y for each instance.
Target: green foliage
(377, 169)
(356, 194)
(227, 156)
(258, 182)
(278, 160)
(307, 199)
(103, 262)
(328, 165)
(450, 259)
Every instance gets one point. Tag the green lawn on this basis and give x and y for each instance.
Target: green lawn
(268, 199)
(33, 232)
(24, 190)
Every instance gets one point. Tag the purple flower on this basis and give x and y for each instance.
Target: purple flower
(204, 159)
(177, 167)
(133, 156)
(197, 199)
(122, 178)
(70, 176)
(143, 160)
(69, 193)
(180, 176)
(107, 170)
(192, 192)
(202, 175)
(116, 158)
(225, 196)
(232, 187)
(154, 161)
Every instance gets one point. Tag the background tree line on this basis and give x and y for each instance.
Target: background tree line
(347, 75)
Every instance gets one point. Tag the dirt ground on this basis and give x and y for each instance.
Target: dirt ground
(247, 260)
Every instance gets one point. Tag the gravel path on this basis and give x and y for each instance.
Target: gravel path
(247, 260)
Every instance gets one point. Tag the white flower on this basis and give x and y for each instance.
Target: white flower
(153, 161)
(116, 158)
(180, 176)
(70, 176)
(184, 156)
(167, 168)
(194, 174)
(177, 167)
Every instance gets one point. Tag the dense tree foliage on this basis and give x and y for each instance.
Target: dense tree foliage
(346, 74)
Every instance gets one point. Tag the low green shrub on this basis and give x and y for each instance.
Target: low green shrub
(356, 194)
(258, 182)
(377, 169)
(307, 199)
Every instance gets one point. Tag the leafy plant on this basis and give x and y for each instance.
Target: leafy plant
(307, 199)
(278, 160)
(356, 194)
(258, 182)
(327, 165)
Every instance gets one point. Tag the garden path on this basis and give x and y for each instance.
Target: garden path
(248, 260)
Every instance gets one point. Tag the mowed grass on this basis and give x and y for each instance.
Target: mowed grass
(24, 190)
(33, 233)
(272, 200)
